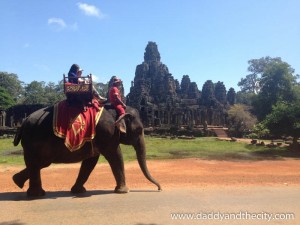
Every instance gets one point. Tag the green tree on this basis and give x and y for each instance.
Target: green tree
(260, 131)
(240, 120)
(54, 92)
(296, 90)
(13, 86)
(284, 120)
(251, 83)
(245, 98)
(6, 99)
(277, 84)
(46, 94)
(102, 88)
(35, 93)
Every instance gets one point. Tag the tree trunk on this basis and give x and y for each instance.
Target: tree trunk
(295, 145)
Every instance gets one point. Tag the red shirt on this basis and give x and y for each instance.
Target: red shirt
(113, 93)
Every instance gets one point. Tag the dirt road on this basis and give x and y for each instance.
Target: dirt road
(171, 174)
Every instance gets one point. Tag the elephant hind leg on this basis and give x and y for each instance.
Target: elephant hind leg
(21, 177)
(35, 183)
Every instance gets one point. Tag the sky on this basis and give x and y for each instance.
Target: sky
(205, 39)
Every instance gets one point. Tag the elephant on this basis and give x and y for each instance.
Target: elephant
(42, 148)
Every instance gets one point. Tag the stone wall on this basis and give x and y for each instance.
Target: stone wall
(16, 114)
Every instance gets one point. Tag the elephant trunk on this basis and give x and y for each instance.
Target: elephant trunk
(140, 149)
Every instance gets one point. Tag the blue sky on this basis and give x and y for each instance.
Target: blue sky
(205, 39)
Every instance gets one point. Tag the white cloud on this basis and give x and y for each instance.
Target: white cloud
(58, 23)
(90, 10)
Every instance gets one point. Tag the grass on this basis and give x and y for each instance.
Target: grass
(10, 154)
(205, 148)
(162, 148)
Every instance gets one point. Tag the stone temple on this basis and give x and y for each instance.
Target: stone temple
(164, 102)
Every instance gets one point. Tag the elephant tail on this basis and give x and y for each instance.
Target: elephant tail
(18, 136)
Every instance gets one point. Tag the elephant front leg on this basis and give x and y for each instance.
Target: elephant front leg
(115, 159)
(86, 168)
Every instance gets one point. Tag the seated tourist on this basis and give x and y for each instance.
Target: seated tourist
(74, 73)
(116, 101)
(74, 76)
(115, 97)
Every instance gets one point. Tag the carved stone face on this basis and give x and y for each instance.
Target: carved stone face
(151, 52)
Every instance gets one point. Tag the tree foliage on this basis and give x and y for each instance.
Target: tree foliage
(277, 84)
(251, 83)
(259, 131)
(13, 86)
(240, 120)
(54, 92)
(245, 98)
(6, 99)
(40, 93)
(35, 93)
(102, 88)
(273, 91)
(284, 120)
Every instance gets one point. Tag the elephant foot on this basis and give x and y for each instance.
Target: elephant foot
(19, 180)
(35, 192)
(121, 190)
(78, 189)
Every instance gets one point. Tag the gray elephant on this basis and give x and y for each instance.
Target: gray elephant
(42, 147)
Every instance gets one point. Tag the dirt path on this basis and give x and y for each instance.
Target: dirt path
(193, 173)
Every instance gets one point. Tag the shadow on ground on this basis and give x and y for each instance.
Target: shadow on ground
(13, 222)
(278, 153)
(21, 196)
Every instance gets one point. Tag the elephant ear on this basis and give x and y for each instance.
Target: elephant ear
(121, 122)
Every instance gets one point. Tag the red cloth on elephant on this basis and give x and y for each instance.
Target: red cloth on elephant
(74, 124)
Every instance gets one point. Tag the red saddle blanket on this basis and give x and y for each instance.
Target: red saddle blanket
(74, 124)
